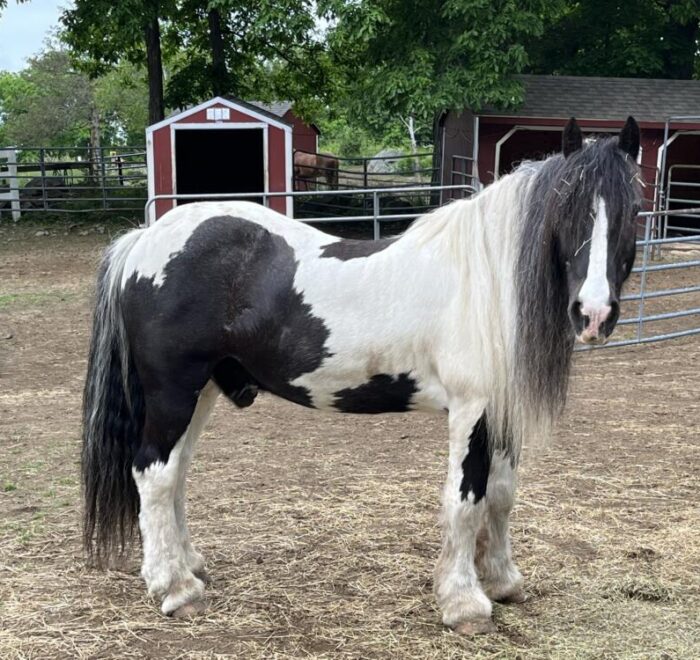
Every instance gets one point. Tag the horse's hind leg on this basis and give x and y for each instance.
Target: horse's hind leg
(157, 470)
(500, 577)
(205, 404)
(465, 607)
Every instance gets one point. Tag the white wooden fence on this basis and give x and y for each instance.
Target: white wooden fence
(8, 173)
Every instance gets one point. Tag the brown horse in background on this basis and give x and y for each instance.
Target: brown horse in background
(308, 168)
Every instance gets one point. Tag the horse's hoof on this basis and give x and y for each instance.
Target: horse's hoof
(475, 627)
(189, 610)
(515, 598)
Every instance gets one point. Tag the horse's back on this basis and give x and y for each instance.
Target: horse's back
(207, 221)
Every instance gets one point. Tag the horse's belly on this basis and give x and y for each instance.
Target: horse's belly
(371, 391)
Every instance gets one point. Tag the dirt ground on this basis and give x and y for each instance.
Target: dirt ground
(321, 531)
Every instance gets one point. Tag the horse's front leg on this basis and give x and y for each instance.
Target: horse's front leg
(499, 575)
(465, 607)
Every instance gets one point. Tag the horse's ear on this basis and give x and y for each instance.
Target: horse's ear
(629, 138)
(571, 139)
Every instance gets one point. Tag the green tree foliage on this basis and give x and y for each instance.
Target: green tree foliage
(254, 49)
(636, 38)
(103, 33)
(269, 50)
(12, 86)
(398, 58)
(121, 97)
(50, 103)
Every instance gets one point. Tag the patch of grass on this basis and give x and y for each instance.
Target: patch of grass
(9, 487)
(33, 467)
(33, 298)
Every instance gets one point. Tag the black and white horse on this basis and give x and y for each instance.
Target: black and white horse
(472, 312)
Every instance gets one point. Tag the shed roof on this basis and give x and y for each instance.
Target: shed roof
(587, 97)
(279, 108)
(228, 101)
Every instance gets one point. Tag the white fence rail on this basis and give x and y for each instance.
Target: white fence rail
(8, 172)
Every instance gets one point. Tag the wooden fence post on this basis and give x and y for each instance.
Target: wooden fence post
(10, 166)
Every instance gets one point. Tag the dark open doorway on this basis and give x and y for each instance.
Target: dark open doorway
(224, 160)
(527, 145)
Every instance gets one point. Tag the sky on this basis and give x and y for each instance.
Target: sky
(23, 29)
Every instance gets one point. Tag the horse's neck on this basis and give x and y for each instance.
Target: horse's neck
(480, 234)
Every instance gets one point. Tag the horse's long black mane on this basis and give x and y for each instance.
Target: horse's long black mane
(558, 218)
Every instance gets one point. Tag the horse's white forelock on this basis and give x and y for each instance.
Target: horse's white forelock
(482, 235)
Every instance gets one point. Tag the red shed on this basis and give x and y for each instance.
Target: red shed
(223, 145)
(497, 140)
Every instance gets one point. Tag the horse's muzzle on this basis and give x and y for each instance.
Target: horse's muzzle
(593, 324)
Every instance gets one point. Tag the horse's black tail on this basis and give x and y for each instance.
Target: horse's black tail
(113, 414)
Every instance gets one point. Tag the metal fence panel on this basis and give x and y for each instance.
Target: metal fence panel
(80, 180)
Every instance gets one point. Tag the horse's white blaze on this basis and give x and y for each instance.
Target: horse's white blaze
(595, 291)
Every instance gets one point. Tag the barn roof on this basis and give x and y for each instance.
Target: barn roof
(604, 98)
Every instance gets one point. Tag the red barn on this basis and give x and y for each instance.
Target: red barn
(223, 145)
(496, 140)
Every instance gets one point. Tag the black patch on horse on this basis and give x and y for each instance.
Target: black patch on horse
(227, 310)
(354, 249)
(381, 394)
(477, 463)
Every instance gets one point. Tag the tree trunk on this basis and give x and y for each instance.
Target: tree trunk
(154, 65)
(219, 74)
(436, 179)
(679, 60)
(414, 145)
(95, 143)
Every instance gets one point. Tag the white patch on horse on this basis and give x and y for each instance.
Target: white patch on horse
(373, 333)
(595, 291)
(205, 404)
(389, 312)
(498, 574)
(164, 568)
